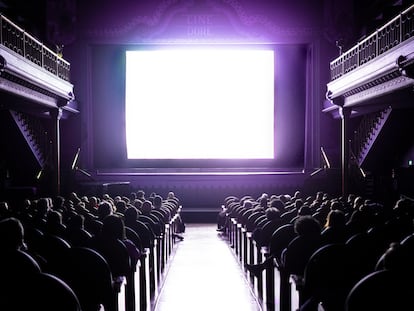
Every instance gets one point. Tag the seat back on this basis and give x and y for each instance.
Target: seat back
(245, 215)
(93, 225)
(327, 276)
(38, 291)
(333, 235)
(363, 254)
(78, 237)
(281, 239)
(134, 237)
(296, 255)
(53, 249)
(380, 290)
(115, 253)
(144, 232)
(161, 214)
(33, 238)
(251, 221)
(153, 225)
(267, 232)
(89, 275)
(17, 262)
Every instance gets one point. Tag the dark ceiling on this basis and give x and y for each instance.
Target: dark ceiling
(29, 15)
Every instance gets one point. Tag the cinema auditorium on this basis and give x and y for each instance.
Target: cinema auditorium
(208, 155)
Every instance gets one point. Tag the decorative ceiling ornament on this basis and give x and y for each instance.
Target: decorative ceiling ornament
(175, 21)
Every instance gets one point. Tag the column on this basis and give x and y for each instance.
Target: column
(345, 116)
(56, 115)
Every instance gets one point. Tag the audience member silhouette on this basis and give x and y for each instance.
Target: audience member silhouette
(12, 235)
(180, 225)
(120, 206)
(362, 217)
(92, 207)
(105, 209)
(262, 235)
(295, 256)
(75, 233)
(144, 232)
(114, 228)
(40, 214)
(141, 195)
(159, 207)
(137, 204)
(54, 224)
(110, 243)
(334, 230)
(146, 207)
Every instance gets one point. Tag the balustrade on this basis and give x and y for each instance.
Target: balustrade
(393, 33)
(20, 42)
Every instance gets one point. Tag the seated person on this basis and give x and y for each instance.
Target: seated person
(295, 256)
(11, 235)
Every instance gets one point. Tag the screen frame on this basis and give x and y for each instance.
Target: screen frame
(109, 151)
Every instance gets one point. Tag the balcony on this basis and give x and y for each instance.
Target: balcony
(375, 67)
(32, 72)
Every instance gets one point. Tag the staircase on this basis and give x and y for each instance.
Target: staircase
(367, 132)
(35, 135)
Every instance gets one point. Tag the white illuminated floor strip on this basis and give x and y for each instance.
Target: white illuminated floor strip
(204, 275)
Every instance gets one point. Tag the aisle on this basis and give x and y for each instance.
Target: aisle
(205, 276)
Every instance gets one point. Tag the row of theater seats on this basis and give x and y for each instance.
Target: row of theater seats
(55, 269)
(363, 263)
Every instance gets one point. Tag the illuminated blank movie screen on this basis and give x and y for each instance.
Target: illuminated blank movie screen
(200, 104)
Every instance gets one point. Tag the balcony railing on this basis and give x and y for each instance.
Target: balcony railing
(396, 31)
(19, 41)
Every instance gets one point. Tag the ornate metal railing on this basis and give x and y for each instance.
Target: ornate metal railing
(19, 41)
(396, 31)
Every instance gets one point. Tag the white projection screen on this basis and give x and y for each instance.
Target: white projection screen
(200, 104)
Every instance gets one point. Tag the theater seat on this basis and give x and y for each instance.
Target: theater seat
(17, 262)
(281, 239)
(381, 291)
(89, 275)
(327, 277)
(37, 291)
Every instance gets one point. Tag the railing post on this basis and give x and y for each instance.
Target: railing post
(358, 53)
(42, 58)
(57, 65)
(24, 44)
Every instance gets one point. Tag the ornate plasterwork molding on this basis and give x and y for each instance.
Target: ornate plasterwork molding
(140, 20)
(171, 14)
(27, 92)
(373, 83)
(384, 88)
